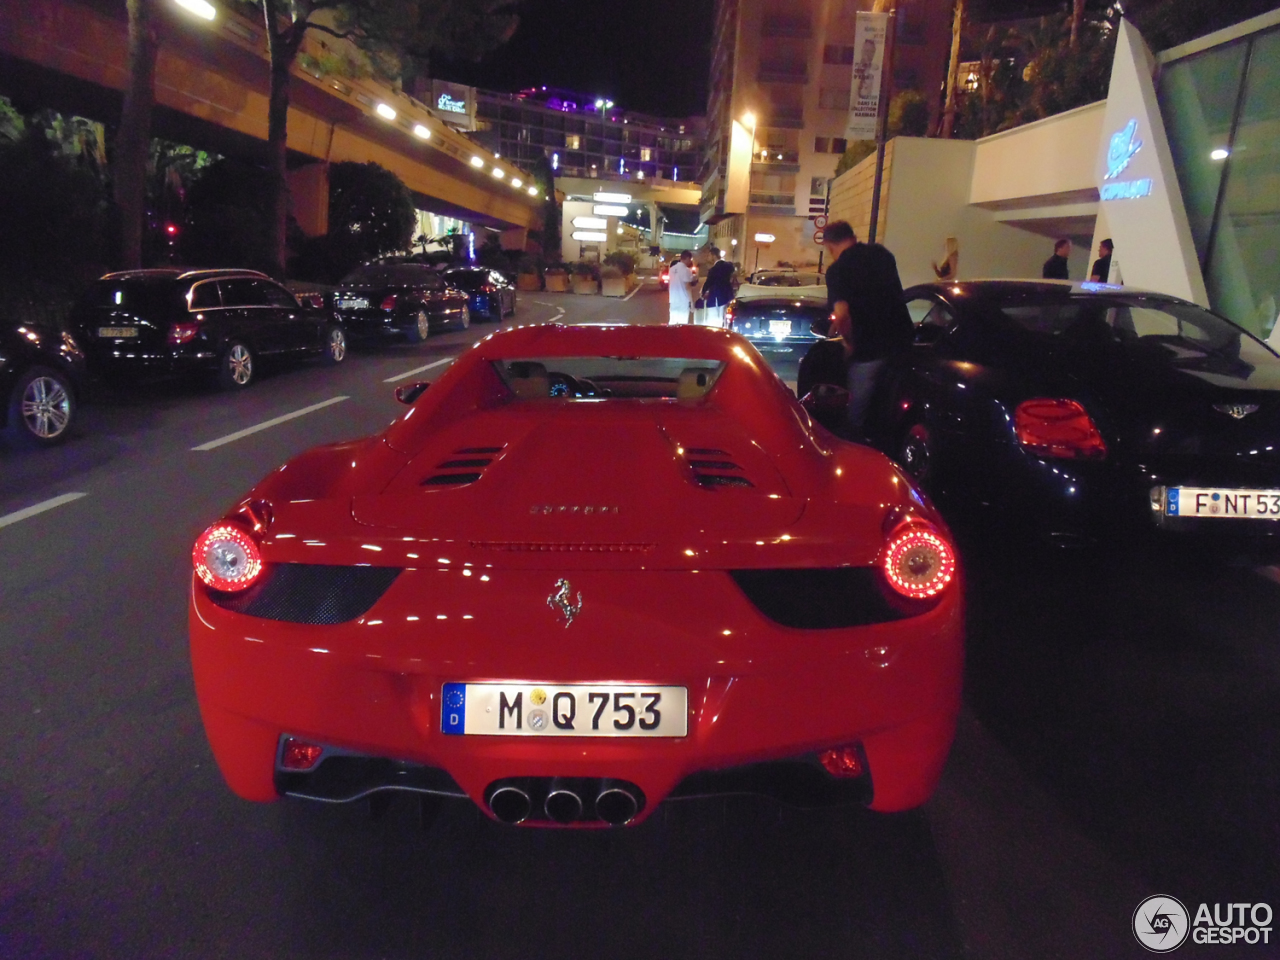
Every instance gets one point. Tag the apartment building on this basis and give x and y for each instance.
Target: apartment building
(585, 136)
(781, 73)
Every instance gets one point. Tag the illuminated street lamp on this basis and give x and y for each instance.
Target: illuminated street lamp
(422, 132)
(385, 111)
(477, 162)
(200, 8)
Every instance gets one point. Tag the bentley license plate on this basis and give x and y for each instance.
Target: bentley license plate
(780, 328)
(1216, 503)
(352, 303)
(573, 710)
(117, 332)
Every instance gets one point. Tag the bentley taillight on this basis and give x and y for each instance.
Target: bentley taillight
(227, 558)
(182, 332)
(389, 302)
(1058, 428)
(918, 562)
(299, 755)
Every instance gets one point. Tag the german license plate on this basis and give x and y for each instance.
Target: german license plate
(780, 328)
(117, 332)
(1216, 503)
(574, 710)
(352, 303)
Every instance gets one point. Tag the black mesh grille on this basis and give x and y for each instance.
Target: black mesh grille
(825, 598)
(310, 593)
(716, 480)
(450, 479)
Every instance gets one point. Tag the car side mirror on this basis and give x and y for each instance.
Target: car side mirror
(412, 391)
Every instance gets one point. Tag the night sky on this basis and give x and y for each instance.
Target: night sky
(652, 56)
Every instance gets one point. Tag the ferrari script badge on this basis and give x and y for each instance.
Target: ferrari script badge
(562, 600)
(1237, 410)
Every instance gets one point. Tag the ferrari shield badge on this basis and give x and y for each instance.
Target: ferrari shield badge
(562, 600)
(1237, 410)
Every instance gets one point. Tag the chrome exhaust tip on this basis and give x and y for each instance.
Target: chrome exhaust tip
(563, 804)
(510, 804)
(617, 804)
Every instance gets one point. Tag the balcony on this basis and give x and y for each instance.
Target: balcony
(783, 71)
(790, 118)
(780, 26)
(777, 203)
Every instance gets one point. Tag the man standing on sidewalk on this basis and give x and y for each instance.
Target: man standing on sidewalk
(680, 288)
(870, 322)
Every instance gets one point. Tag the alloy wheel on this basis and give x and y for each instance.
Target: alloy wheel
(46, 408)
(424, 325)
(337, 345)
(240, 364)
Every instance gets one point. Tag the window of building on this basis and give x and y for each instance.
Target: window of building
(818, 187)
(573, 141)
(834, 53)
(646, 153)
(839, 145)
(821, 145)
(833, 98)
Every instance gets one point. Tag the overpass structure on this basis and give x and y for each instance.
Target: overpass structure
(212, 85)
(593, 207)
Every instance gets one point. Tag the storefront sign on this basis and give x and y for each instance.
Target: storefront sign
(864, 96)
(447, 102)
(1126, 189)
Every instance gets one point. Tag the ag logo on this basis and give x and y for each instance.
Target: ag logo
(1161, 924)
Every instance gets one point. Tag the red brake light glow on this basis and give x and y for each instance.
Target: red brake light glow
(183, 332)
(298, 755)
(389, 303)
(918, 563)
(227, 558)
(844, 762)
(1058, 428)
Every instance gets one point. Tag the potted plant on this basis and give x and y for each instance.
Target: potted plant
(625, 265)
(586, 279)
(527, 278)
(557, 278)
(613, 282)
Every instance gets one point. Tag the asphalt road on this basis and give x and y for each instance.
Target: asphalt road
(1120, 739)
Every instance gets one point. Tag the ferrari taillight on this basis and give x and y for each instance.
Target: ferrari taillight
(227, 558)
(1058, 428)
(844, 762)
(918, 562)
(298, 755)
(389, 302)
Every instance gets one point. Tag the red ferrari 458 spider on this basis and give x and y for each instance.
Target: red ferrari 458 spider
(589, 570)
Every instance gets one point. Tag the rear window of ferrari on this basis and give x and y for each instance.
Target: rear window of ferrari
(597, 378)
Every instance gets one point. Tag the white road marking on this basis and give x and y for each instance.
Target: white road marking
(544, 303)
(635, 291)
(41, 507)
(410, 373)
(556, 317)
(267, 424)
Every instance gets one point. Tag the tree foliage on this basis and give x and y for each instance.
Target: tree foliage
(371, 212)
(1029, 73)
(391, 33)
(226, 223)
(54, 229)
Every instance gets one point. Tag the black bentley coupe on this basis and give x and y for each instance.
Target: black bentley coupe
(399, 299)
(1086, 412)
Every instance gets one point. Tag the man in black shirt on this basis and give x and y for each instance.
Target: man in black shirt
(870, 322)
(1102, 266)
(1055, 268)
(717, 290)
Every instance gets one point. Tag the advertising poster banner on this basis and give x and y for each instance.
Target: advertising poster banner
(864, 96)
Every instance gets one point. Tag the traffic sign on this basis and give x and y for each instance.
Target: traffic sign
(820, 221)
(817, 237)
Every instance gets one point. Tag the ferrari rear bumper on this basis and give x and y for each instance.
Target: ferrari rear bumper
(763, 700)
